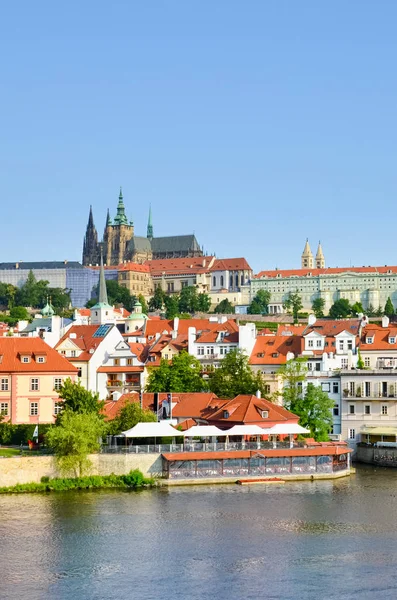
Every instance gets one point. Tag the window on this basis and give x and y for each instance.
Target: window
(352, 434)
(40, 359)
(267, 389)
(79, 372)
(57, 383)
(264, 414)
(384, 409)
(336, 410)
(341, 345)
(170, 286)
(392, 340)
(73, 353)
(116, 362)
(4, 408)
(226, 414)
(319, 343)
(25, 359)
(34, 384)
(57, 408)
(129, 362)
(214, 281)
(200, 350)
(367, 388)
(165, 356)
(34, 409)
(344, 363)
(367, 409)
(335, 387)
(310, 366)
(352, 409)
(326, 387)
(367, 361)
(318, 366)
(4, 384)
(222, 284)
(352, 388)
(369, 340)
(350, 344)
(310, 343)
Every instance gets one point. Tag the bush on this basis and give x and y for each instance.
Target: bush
(15, 435)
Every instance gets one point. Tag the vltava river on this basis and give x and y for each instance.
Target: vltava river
(331, 540)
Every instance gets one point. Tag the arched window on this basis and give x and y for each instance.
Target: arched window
(214, 281)
(237, 280)
(242, 280)
(222, 284)
(231, 280)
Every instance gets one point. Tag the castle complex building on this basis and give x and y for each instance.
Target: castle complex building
(120, 243)
(371, 286)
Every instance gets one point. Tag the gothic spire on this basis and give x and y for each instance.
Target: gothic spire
(120, 218)
(149, 234)
(90, 245)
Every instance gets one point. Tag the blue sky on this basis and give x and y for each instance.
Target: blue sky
(255, 124)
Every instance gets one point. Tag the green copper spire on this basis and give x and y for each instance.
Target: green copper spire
(120, 218)
(149, 234)
(108, 220)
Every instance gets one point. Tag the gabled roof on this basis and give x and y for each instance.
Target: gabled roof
(380, 337)
(179, 266)
(247, 409)
(136, 267)
(386, 270)
(175, 243)
(230, 264)
(88, 337)
(13, 348)
(273, 349)
(330, 328)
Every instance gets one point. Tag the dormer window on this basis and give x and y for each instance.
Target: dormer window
(226, 414)
(26, 359)
(40, 359)
(264, 414)
(275, 355)
(369, 340)
(392, 340)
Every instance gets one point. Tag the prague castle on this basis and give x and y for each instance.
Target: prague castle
(120, 244)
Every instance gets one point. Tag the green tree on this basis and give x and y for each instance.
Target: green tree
(171, 304)
(318, 306)
(234, 376)
(371, 312)
(360, 362)
(29, 293)
(260, 303)
(7, 294)
(204, 303)
(293, 374)
(340, 309)
(183, 374)
(224, 307)
(293, 304)
(60, 298)
(77, 399)
(129, 415)
(389, 308)
(117, 294)
(19, 313)
(357, 308)
(75, 437)
(156, 303)
(315, 412)
(142, 300)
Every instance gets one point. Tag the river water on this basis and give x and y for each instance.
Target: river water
(309, 540)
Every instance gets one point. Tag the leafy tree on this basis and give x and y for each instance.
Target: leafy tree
(156, 303)
(340, 309)
(60, 298)
(7, 294)
(234, 376)
(19, 313)
(117, 294)
(318, 306)
(224, 307)
(129, 415)
(371, 312)
(171, 306)
(293, 374)
(183, 374)
(315, 412)
(204, 303)
(74, 438)
(357, 308)
(260, 303)
(142, 300)
(77, 399)
(29, 293)
(360, 362)
(293, 304)
(389, 308)
(379, 312)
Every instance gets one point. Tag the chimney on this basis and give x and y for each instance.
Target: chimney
(174, 334)
(385, 321)
(176, 324)
(258, 393)
(157, 336)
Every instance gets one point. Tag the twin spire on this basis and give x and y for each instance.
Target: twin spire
(308, 261)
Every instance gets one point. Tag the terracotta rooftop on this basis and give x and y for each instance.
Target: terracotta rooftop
(87, 338)
(273, 349)
(280, 273)
(247, 409)
(12, 349)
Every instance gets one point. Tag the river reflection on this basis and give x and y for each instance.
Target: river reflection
(312, 540)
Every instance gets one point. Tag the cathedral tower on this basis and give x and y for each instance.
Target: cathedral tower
(307, 257)
(117, 235)
(320, 259)
(91, 251)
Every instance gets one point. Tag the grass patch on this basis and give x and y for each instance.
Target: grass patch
(9, 452)
(132, 480)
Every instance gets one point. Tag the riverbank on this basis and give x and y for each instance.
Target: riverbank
(132, 480)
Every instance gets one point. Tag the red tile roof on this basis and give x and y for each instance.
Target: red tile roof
(332, 449)
(179, 266)
(330, 328)
(230, 264)
(380, 337)
(273, 349)
(136, 267)
(13, 348)
(326, 271)
(84, 340)
(246, 409)
(112, 407)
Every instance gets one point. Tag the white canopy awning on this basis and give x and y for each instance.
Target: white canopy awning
(246, 430)
(159, 429)
(203, 431)
(287, 428)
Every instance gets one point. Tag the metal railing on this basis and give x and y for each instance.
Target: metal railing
(197, 447)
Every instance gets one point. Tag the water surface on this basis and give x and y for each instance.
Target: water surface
(311, 540)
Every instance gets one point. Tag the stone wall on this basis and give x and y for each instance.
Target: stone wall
(27, 469)
(383, 457)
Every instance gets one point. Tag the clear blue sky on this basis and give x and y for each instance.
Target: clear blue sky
(255, 124)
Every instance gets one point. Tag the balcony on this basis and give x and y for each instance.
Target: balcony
(127, 384)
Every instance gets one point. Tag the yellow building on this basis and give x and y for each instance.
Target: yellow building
(31, 372)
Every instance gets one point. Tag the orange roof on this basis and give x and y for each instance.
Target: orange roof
(187, 424)
(112, 407)
(386, 270)
(245, 409)
(329, 450)
(380, 337)
(211, 334)
(84, 340)
(13, 348)
(330, 328)
(189, 404)
(154, 326)
(230, 264)
(83, 312)
(179, 266)
(136, 267)
(207, 455)
(140, 350)
(273, 349)
(285, 329)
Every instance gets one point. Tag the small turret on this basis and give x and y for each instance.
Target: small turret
(307, 256)
(149, 233)
(320, 259)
